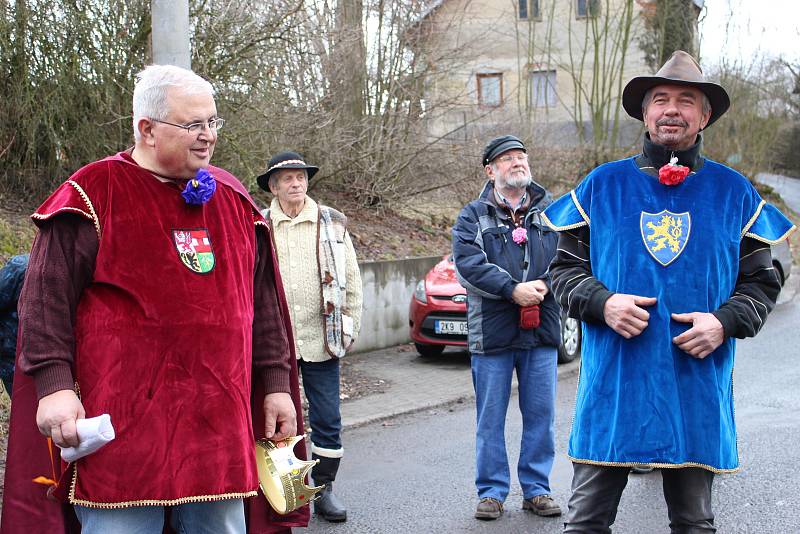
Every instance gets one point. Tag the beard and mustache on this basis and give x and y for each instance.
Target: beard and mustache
(514, 178)
(672, 122)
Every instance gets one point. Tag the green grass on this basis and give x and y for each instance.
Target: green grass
(16, 237)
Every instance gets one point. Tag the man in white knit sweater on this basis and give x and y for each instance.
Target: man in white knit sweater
(323, 288)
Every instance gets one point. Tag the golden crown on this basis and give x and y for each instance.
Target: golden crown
(281, 474)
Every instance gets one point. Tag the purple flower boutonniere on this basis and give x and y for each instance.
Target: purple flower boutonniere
(520, 236)
(199, 189)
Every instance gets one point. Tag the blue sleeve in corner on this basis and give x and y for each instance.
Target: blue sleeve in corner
(768, 225)
(566, 213)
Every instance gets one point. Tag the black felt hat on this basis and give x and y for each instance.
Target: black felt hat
(680, 69)
(284, 160)
(501, 144)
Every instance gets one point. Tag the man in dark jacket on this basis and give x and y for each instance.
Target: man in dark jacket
(11, 277)
(502, 250)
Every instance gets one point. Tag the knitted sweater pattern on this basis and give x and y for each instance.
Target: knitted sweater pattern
(296, 241)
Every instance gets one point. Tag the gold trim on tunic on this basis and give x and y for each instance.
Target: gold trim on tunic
(152, 502)
(655, 465)
(578, 206)
(91, 215)
(772, 241)
(752, 219)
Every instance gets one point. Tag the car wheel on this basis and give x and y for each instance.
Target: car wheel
(571, 337)
(429, 350)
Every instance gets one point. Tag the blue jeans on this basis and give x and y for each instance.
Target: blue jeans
(491, 377)
(321, 385)
(216, 517)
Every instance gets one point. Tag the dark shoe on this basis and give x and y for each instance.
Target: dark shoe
(641, 469)
(489, 509)
(543, 505)
(328, 506)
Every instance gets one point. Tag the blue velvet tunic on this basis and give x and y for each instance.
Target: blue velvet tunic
(644, 400)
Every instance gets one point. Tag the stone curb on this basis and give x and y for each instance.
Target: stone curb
(388, 412)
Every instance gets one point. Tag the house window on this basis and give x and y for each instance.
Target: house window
(529, 9)
(542, 89)
(490, 90)
(587, 8)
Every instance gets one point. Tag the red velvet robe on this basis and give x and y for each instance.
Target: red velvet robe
(186, 438)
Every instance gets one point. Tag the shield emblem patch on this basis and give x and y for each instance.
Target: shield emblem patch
(194, 249)
(665, 234)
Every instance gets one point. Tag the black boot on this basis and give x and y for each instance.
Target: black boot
(327, 505)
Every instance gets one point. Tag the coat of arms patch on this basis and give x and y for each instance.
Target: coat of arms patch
(194, 249)
(665, 234)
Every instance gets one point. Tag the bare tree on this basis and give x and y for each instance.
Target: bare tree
(750, 133)
(68, 90)
(671, 25)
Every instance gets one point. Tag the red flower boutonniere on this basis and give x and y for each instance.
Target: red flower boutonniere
(520, 236)
(672, 173)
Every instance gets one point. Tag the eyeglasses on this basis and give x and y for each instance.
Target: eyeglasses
(509, 158)
(196, 127)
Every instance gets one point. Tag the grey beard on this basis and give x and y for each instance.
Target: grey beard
(518, 182)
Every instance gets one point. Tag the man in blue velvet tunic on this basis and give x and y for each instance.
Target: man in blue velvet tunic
(665, 257)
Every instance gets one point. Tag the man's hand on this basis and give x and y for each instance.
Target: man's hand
(624, 314)
(56, 417)
(541, 287)
(705, 335)
(527, 293)
(280, 418)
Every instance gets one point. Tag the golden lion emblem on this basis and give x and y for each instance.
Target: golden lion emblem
(667, 232)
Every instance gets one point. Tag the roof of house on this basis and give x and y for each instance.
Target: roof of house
(435, 4)
(432, 6)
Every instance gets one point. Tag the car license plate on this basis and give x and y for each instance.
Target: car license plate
(456, 328)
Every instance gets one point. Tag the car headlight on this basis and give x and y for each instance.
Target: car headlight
(419, 292)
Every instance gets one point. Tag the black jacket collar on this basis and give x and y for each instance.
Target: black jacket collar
(657, 156)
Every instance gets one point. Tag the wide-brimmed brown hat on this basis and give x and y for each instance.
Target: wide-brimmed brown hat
(680, 69)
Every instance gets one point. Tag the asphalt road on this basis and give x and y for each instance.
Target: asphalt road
(414, 474)
(789, 188)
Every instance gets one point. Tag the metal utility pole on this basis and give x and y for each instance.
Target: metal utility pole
(170, 22)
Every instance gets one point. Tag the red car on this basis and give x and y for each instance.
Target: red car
(438, 312)
(438, 315)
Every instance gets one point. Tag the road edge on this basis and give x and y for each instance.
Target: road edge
(564, 371)
(790, 288)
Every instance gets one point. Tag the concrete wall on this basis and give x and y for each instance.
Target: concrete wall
(388, 287)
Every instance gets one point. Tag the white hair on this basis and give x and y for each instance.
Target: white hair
(152, 85)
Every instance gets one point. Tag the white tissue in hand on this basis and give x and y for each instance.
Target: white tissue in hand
(93, 433)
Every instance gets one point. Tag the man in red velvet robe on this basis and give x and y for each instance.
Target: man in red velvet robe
(152, 295)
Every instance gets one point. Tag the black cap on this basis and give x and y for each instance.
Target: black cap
(284, 160)
(501, 144)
